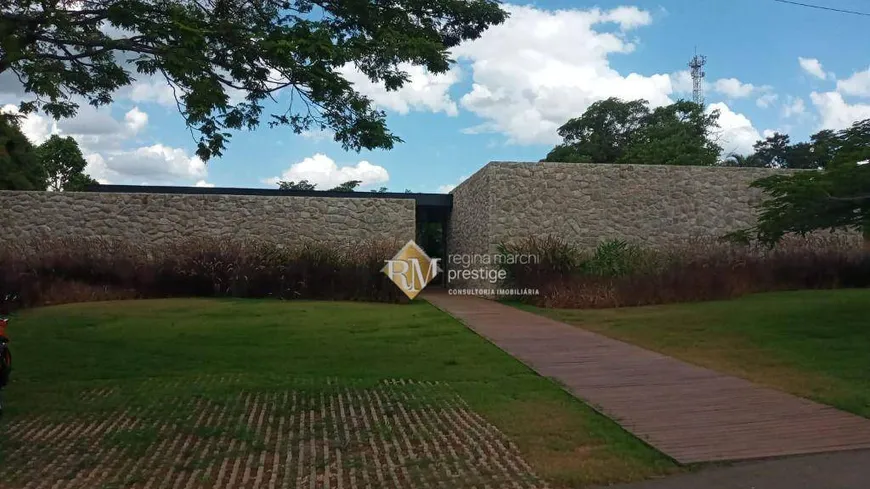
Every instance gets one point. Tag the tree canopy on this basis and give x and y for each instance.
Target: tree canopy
(208, 50)
(300, 185)
(348, 186)
(777, 151)
(836, 197)
(63, 164)
(618, 131)
(305, 185)
(676, 134)
(20, 168)
(56, 164)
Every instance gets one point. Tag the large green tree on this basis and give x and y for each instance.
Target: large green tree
(618, 131)
(836, 197)
(209, 49)
(676, 134)
(601, 134)
(777, 151)
(20, 168)
(63, 164)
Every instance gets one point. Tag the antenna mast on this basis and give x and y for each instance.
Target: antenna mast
(697, 65)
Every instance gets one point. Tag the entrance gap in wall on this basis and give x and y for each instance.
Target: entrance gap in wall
(431, 235)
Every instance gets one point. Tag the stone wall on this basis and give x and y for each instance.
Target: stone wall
(589, 203)
(468, 230)
(156, 218)
(650, 205)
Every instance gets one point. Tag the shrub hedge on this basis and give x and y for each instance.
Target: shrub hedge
(617, 273)
(76, 269)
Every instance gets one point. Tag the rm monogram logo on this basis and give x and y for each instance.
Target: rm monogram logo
(411, 269)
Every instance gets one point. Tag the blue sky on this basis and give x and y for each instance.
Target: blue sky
(771, 66)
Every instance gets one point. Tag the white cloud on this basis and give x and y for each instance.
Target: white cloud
(681, 82)
(858, 84)
(152, 89)
(323, 171)
(157, 164)
(835, 112)
(203, 183)
(447, 188)
(627, 17)
(794, 106)
(540, 68)
(813, 67)
(96, 130)
(101, 139)
(36, 128)
(733, 88)
(93, 128)
(736, 133)
(318, 135)
(423, 90)
(766, 100)
(136, 119)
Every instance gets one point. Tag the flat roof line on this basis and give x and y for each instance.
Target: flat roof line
(422, 199)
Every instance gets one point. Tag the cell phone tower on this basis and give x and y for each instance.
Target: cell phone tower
(697, 66)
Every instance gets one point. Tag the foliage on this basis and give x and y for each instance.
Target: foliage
(773, 151)
(381, 190)
(213, 52)
(743, 161)
(305, 185)
(618, 274)
(300, 185)
(64, 164)
(837, 197)
(20, 168)
(70, 270)
(677, 134)
(601, 134)
(777, 151)
(616, 131)
(614, 258)
(348, 186)
(555, 258)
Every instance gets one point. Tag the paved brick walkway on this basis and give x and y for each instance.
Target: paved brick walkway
(690, 413)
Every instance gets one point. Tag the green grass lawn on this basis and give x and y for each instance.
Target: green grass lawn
(815, 344)
(157, 349)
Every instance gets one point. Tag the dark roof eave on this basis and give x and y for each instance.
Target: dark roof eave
(421, 199)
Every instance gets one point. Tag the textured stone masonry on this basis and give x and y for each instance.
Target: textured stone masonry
(156, 218)
(589, 203)
(586, 204)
